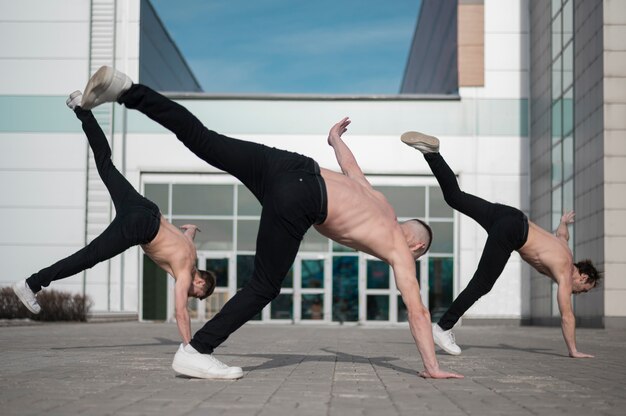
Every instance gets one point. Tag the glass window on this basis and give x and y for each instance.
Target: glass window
(215, 303)
(437, 205)
(314, 241)
(556, 78)
(568, 196)
(568, 66)
(377, 274)
(557, 164)
(556, 35)
(568, 113)
(158, 193)
(377, 307)
(339, 248)
(247, 231)
(440, 273)
(220, 268)
(403, 314)
(557, 208)
(312, 274)
(245, 267)
(568, 157)
(288, 280)
(345, 288)
(192, 199)
(282, 307)
(556, 121)
(407, 201)
(312, 307)
(213, 235)
(443, 237)
(556, 6)
(568, 21)
(247, 204)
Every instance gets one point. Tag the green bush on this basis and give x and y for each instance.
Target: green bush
(55, 306)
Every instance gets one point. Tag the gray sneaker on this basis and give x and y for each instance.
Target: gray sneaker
(191, 363)
(421, 142)
(445, 340)
(105, 86)
(26, 295)
(74, 100)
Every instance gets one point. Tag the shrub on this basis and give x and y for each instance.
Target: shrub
(55, 306)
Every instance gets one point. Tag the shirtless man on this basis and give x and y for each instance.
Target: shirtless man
(137, 221)
(295, 194)
(508, 229)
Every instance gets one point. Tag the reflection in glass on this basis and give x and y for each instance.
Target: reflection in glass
(568, 115)
(192, 307)
(440, 272)
(377, 307)
(377, 274)
(557, 207)
(437, 205)
(556, 79)
(568, 157)
(246, 234)
(568, 196)
(557, 165)
(345, 288)
(159, 194)
(213, 235)
(245, 267)
(556, 121)
(247, 204)
(193, 199)
(215, 303)
(220, 268)
(568, 21)
(282, 307)
(312, 307)
(403, 314)
(312, 274)
(407, 201)
(556, 36)
(288, 280)
(568, 66)
(443, 237)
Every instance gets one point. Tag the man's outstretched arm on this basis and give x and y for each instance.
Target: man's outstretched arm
(181, 294)
(568, 320)
(562, 232)
(345, 158)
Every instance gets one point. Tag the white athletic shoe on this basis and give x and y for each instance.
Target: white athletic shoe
(26, 295)
(445, 340)
(191, 363)
(421, 142)
(74, 100)
(105, 86)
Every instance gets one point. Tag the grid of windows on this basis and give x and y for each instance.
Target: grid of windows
(562, 150)
(328, 282)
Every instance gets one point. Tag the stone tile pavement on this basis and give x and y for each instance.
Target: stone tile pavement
(124, 369)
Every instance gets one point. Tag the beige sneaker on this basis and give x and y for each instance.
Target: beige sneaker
(191, 363)
(421, 142)
(105, 86)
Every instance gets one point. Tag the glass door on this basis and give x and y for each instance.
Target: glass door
(222, 265)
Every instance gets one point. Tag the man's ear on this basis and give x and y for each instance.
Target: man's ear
(415, 247)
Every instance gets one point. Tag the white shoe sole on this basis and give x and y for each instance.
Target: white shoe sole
(194, 372)
(18, 293)
(422, 142)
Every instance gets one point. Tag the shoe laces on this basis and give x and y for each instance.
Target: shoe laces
(452, 339)
(217, 362)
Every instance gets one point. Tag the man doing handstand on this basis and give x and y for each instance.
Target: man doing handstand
(508, 230)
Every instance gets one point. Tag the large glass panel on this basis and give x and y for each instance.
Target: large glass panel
(568, 112)
(245, 266)
(557, 88)
(377, 307)
(312, 307)
(437, 205)
(556, 35)
(247, 204)
(557, 207)
(568, 196)
(192, 199)
(288, 280)
(220, 268)
(282, 307)
(345, 288)
(556, 121)
(215, 303)
(213, 235)
(154, 291)
(556, 6)
(440, 273)
(568, 157)
(443, 237)
(557, 165)
(407, 201)
(312, 274)
(403, 314)
(159, 194)
(568, 21)
(568, 66)
(339, 248)
(246, 234)
(314, 241)
(377, 274)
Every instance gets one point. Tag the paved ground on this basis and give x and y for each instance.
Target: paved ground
(124, 369)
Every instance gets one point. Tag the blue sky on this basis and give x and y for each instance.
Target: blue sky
(293, 46)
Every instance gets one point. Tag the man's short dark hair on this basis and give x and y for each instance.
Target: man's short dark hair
(210, 280)
(586, 267)
(430, 234)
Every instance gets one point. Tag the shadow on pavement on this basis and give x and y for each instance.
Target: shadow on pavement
(159, 342)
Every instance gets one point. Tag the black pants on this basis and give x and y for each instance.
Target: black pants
(136, 222)
(288, 186)
(507, 229)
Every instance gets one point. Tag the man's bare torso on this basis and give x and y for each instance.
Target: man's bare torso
(546, 253)
(171, 249)
(359, 217)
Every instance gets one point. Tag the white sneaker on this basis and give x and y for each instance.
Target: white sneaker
(105, 86)
(26, 295)
(445, 340)
(421, 142)
(191, 363)
(74, 100)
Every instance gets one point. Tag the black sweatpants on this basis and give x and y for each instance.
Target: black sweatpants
(136, 221)
(288, 186)
(507, 230)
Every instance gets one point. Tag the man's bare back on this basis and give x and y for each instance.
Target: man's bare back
(171, 250)
(546, 253)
